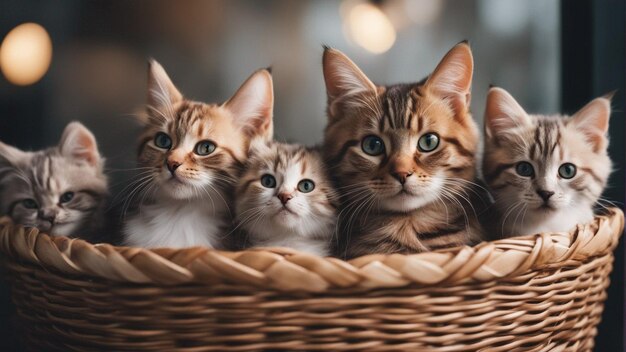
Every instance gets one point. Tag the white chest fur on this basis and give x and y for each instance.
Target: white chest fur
(177, 224)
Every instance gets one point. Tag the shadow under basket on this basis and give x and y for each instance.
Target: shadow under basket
(535, 293)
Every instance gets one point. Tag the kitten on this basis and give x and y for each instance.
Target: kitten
(285, 199)
(191, 154)
(545, 172)
(60, 190)
(403, 157)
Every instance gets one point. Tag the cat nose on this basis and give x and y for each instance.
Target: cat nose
(47, 214)
(284, 197)
(545, 195)
(172, 165)
(401, 176)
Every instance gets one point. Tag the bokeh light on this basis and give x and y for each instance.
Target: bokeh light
(369, 27)
(25, 54)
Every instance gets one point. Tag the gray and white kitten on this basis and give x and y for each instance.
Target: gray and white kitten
(546, 172)
(285, 199)
(61, 190)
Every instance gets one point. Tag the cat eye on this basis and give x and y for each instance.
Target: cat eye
(373, 145)
(29, 204)
(163, 141)
(66, 197)
(268, 181)
(567, 170)
(428, 142)
(306, 186)
(205, 148)
(525, 169)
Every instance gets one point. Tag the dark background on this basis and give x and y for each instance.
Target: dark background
(553, 56)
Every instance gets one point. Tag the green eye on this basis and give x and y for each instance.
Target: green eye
(268, 181)
(525, 169)
(306, 186)
(567, 170)
(29, 204)
(205, 148)
(162, 140)
(373, 145)
(66, 197)
(428, 142)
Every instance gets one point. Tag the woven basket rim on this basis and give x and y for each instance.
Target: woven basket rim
(283, 269)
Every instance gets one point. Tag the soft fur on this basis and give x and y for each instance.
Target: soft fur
(432, 209)
(546, 142)
(33, 185)
(190, 206)
(307, 220)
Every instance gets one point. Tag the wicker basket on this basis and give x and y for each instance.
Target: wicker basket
(534, 293)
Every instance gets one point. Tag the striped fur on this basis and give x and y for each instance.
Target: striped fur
(433, 209)
(546, 142)
(183, 198)
(306, 221)
(42, 178)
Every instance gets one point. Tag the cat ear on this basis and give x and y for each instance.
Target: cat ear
(342, 76)
(593, 121)
(452, 79)
(162, 93)
(503, 113)
(12, 155)
(253, 104)
(78, 142)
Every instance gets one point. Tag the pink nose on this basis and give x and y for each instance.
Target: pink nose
(284, 197)
(172, 165)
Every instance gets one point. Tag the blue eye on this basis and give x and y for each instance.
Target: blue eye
(428, 142)
(306, 186)
(205, 148)
(30, 204)
(66, 197)
(162, 140)
(373, 145)
(268, 181)
(525, 169)
(567, 170)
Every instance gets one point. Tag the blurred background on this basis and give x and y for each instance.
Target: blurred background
(87, 60)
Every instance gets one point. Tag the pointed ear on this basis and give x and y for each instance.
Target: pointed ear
(342, 76)
(162, 93)
(502, 113)
(252, 105)
(593, 121)
(12, 155)
(452, 79)
(78, 142)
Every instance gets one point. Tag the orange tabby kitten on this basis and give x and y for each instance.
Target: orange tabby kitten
(403, 157)
(191, 153)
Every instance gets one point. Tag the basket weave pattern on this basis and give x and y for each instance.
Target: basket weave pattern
(533, 293)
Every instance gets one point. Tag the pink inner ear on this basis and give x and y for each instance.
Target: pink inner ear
(84, 148)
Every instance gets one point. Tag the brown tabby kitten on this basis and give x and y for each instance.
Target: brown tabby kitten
(191, 154)
(403, 157)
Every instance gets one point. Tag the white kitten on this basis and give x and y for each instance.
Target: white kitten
(284, 199)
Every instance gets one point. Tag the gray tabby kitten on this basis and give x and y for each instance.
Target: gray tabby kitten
(546, 172)
(60, 190)
(285, 199)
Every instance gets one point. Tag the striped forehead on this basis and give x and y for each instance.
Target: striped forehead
(43, 174)
(546, 141)
(191, 119)
(398, 108)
